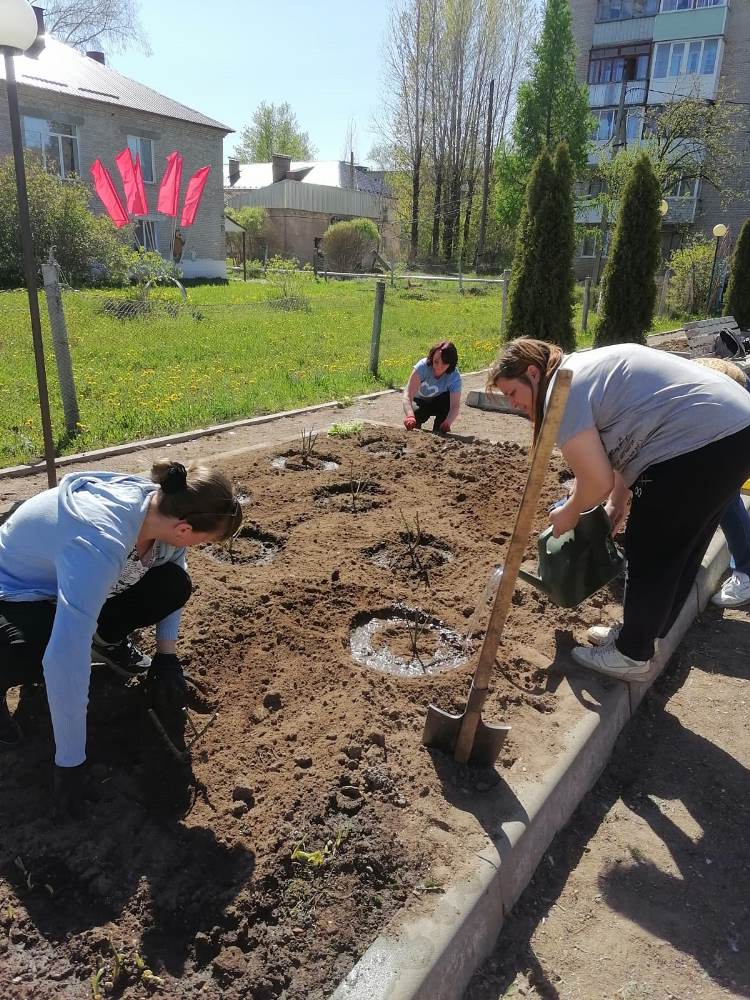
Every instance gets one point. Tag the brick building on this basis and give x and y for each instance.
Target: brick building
(75, 109)
(303, 198)
(666, 50)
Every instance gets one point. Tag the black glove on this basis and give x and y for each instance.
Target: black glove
(167, 694)
(71, 792)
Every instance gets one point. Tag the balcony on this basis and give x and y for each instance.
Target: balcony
(607, 95)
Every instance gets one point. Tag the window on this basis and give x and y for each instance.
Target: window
(620, 10)
(675, 60)
(588, 247)
(145, 149)
(672, 59)
(694, 57)
(605, 125)
(55, 142)
(708, 63)
(634, 125)
(612, 64)
(147, 234)
(683, 188)
(669, 5)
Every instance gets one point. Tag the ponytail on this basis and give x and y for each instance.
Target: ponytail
(202, 497)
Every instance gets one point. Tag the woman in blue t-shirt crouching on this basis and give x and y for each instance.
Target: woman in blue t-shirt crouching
(434, 389)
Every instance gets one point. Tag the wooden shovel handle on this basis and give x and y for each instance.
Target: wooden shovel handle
(522, 528)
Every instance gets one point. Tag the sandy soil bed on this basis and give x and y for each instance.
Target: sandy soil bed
(317, 806)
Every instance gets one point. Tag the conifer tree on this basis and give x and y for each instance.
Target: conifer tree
(738, 289)
(629, 295)
(541, 290)
(523, 269)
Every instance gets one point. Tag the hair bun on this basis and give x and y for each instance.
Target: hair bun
(176, 478)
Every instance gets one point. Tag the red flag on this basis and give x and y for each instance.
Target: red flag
(106, 190)
(193, 196)
(138, 171)
(169, 190)
(134, 198)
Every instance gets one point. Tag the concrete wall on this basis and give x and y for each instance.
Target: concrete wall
(102, 133)
(291, 232)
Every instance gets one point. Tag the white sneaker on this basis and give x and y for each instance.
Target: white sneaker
(610, 661)
(734, 591)
(602, 635)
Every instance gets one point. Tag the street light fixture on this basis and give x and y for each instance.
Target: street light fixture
(719, 231)
(18, 31)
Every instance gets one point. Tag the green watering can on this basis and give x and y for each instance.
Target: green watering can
(578, 563)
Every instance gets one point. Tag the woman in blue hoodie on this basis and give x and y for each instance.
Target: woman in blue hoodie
(83, 565)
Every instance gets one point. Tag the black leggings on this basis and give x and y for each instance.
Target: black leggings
(676, 508)
(436, 406)
(25, 626)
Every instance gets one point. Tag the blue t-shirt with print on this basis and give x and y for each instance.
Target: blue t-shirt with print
(430, 386)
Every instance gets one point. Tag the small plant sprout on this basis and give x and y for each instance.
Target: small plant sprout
(119, 965)
(308, 445)
(96, 984)
(356, 486)
(345, 429)
(316, 859)
(145, 974)
(414, 538)
(415, 626)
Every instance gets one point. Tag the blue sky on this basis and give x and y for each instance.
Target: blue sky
(224, 57)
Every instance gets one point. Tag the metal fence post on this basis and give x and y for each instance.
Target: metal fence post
(377, 322)
(393, 275)
(504, 302)
(586, 299)
(663, 290)
(460, 276)
(61, 346)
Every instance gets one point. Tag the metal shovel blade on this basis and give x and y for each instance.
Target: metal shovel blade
(441, 731)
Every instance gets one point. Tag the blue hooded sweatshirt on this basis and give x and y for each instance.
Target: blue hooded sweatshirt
(69, 545)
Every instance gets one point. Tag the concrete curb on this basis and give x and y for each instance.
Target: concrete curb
(433, 957)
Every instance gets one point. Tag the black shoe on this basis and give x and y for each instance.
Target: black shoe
(123, 657)
(10, 734)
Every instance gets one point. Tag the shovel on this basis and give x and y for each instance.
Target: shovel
(466, 736)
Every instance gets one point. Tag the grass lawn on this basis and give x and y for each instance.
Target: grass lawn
(230, 355)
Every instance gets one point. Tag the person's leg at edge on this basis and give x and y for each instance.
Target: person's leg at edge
(25, 628)
(735, 523)
(161, 591)
(436, 406)
(442, 409)
(666, 538)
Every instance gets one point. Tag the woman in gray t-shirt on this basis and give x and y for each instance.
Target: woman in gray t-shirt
(645, 425)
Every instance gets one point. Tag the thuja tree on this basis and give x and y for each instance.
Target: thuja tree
(629, 295)
(738, 289)
(541, 288)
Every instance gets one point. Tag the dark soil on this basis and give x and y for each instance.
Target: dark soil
(305, 832)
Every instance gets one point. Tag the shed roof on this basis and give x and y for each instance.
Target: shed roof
(328, 173)
(62, 69)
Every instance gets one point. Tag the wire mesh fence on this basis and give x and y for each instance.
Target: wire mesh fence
(148, 365)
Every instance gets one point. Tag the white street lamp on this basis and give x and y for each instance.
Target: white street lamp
(18, 31)
(719, 231)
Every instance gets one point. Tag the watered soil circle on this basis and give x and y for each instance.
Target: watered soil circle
(251, 545)
(312, 813)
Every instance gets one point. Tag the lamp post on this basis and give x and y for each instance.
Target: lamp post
(719, 231)
(18, 31)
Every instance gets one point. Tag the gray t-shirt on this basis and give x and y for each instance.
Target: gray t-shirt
(648, 405)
